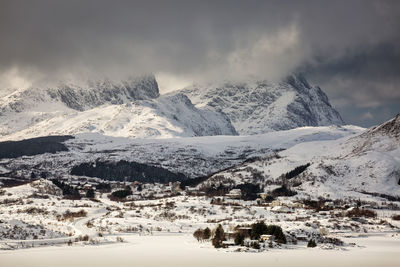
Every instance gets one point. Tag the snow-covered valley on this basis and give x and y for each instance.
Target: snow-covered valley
(134, 169)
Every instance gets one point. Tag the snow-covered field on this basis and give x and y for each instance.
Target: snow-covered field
(184, 250)
(346, 199)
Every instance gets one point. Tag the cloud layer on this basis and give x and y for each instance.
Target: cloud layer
(351, 48)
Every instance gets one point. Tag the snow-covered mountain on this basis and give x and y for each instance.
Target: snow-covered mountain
(353, 166)
(135, 108)
(256, 107)
(131, 108)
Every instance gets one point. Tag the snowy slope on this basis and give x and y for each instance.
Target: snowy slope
(256, 107)
(134, 108)
(193, 156)
(170, 116)
(356, 167)
(130, 108)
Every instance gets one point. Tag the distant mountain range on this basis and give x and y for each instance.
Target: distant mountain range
(135, 108)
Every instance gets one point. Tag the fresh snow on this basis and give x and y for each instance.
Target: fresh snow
(194, 156)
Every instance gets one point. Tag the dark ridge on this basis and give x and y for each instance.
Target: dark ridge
(33, 146)
(127, 171)
(11, 182)
(390, 128)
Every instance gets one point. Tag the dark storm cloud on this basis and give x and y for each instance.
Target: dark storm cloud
(350, 47)
(363, 82)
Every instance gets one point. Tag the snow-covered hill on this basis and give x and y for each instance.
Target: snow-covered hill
(357, 166)
(256, 107)
(193, 156)
(130, 108)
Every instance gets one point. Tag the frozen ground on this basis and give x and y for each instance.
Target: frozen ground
(183, 250)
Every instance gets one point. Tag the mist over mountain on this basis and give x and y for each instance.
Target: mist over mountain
(259, 106)
(135, 108)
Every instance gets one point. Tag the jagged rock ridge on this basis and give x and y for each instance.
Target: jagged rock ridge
(131, 108)
(262, 106)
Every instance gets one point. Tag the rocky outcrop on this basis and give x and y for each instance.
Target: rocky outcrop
(256, 107)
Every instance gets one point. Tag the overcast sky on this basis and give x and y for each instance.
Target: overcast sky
(350, 48)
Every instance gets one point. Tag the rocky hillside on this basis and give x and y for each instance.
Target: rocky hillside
(131, 108)
(134, 108)
(256, 107)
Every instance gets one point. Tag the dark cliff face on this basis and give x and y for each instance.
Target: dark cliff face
(311, 106)
(106, 92)
(256, 107)
(80, 98)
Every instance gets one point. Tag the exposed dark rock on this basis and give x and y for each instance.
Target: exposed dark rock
(33, 146)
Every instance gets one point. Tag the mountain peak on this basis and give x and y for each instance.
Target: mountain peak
(106, 91)
(390, 128)
(261, 106)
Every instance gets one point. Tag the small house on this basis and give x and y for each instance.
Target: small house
(275, 203)
(281, 209)
(228, 243)
(235, 194)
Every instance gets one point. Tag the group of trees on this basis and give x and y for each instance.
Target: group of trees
(126, 171)
(296, 171)
(122, 193)
(257, 229)
(67, 190)
(282, 191)
(249, 191)
(260, 228)
(202, 234)
(218, 235)
(104, 187)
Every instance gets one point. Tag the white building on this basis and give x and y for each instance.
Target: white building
(235, 193)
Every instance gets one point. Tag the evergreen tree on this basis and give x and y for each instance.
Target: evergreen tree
(198, 234)
(219, 236)
(258, 229)
(206, 233)
(311, 244)
(90, 193)
(239, 239)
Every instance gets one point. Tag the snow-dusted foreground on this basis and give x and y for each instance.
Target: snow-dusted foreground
(184, 250)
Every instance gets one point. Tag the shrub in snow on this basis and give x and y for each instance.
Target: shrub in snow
(311, 244)
(396, 217)
(239, 239)
(198, 234)
(206, 233)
